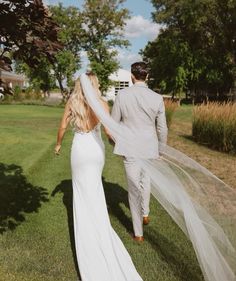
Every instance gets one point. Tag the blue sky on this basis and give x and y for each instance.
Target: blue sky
(139, 28)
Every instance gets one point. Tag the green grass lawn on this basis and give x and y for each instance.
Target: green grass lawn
(36, 238)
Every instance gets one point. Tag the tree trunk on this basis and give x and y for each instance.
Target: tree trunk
(234, 86)
(60, 85)
(63, 92)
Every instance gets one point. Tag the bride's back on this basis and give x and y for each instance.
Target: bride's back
(82, 116)
(90, 122)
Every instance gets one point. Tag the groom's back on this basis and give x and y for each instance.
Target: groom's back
(139, 108)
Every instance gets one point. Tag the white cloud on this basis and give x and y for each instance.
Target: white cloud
(138, 26)
(126, 58)
(46, 2)
(50, 2)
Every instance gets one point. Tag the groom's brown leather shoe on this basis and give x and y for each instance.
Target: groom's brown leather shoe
(138, 238)
(146, 220)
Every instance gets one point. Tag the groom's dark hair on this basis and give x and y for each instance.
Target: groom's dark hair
(139, 70)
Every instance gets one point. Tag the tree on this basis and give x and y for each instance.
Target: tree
(27, 33)
(68, 60)
(103, 24)
(171, 63)
(208, 29)
(40, 77)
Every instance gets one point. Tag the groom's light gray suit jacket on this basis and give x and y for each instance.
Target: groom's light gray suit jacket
(143, 112)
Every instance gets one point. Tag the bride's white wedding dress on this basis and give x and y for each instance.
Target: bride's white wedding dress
(100, 253)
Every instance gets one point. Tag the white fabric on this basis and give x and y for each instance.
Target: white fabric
(100, 253)
(201, 204)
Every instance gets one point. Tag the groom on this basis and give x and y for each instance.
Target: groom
(142, 111)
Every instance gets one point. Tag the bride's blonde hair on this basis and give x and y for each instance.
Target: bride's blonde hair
(81, 113)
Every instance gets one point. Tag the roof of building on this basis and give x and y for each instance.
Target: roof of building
(12, 76)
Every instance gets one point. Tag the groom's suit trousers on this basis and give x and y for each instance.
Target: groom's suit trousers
(138, 193)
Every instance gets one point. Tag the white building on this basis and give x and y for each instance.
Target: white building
(12, 79)
(122, 79)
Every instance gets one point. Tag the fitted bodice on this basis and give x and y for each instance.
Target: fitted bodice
(96, 129)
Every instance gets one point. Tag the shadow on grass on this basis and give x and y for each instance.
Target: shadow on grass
(65, 187)
(178, 260)
(188, 137)
(17, 197)
(194, 141)
(206, 145)
(116, 195)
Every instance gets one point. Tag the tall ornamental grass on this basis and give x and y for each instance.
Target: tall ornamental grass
(170, 107)
(214, 125)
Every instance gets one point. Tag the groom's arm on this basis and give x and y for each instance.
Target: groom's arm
(161, 127)
(116, 110)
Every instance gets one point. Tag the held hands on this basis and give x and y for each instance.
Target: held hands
(57, 149)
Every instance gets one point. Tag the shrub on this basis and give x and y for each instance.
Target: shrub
(36, 93)
(7, 99)
(28, 93)
(17, 93)
(214, 125)
(170, 107)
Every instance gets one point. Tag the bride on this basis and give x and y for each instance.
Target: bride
(100, 253)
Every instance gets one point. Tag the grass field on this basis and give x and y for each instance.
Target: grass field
(36, 240)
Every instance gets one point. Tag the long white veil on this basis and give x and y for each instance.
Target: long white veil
(202, 205)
